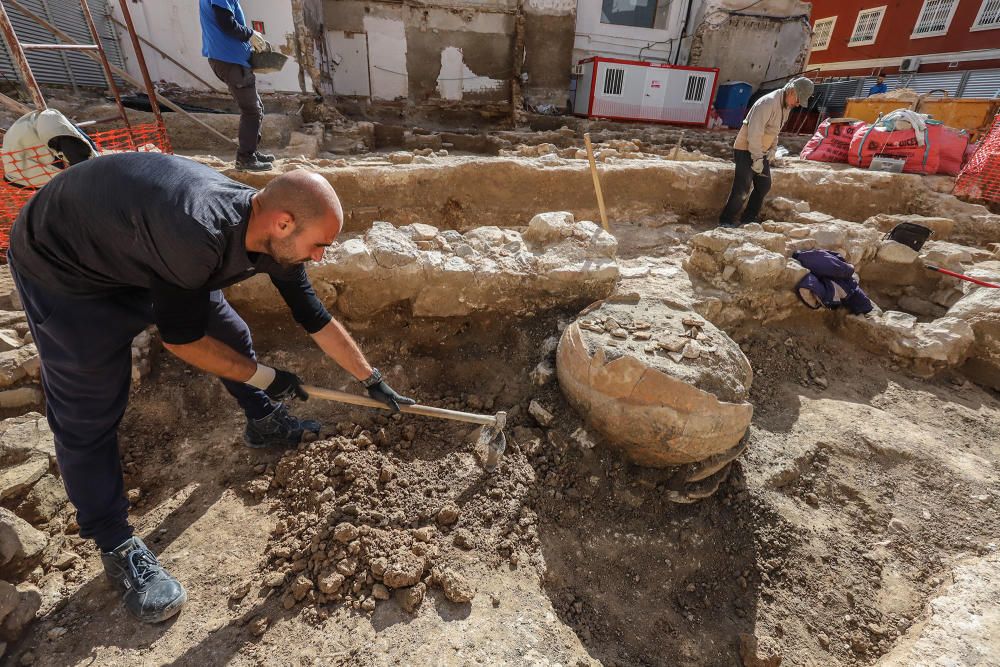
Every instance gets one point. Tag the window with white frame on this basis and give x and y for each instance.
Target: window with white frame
(695, 88)
(867, 25)
(822, 32)
(989, 16)
(935, 17)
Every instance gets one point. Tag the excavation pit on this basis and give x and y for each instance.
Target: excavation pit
(385, 540)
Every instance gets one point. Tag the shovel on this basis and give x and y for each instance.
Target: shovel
(491, 436)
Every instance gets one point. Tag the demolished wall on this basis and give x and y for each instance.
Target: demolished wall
(448, 53)
(749, 275)
(773, 36)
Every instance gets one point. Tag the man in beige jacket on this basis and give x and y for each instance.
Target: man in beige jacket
(754, 149)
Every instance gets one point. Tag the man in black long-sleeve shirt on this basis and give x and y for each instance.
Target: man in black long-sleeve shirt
(121, 241)
(227, 42)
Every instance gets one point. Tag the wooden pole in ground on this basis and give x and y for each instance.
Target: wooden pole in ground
(597, 181)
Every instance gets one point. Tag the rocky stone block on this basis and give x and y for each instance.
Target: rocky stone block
(672, 391)
(20, 545)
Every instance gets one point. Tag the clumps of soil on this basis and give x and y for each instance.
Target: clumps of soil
(390, 511)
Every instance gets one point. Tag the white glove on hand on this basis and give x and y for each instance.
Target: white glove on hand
(257, 42)
(758, 166)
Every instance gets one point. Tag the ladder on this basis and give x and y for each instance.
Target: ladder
(95, 51)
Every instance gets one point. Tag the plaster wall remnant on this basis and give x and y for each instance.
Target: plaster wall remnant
(387, 57)
(456, 79)
(418, 65)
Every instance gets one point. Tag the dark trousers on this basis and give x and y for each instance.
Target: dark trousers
(85, 347)
(744, 180)
(243, 87)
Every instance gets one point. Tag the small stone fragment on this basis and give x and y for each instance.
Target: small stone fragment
(404, 569)
(463, 539)
(345, 532)
(541, 415)
(448, 515)
(258, 626)
(274, 579)
(331, 583)
(425, 534)
(301, 586)
(456, 587)
(380, 592)
(410, 598)
(241, 591)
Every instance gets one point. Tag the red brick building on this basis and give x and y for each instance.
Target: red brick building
(870, 37)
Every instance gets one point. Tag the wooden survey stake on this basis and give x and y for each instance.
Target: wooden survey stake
(597, 181)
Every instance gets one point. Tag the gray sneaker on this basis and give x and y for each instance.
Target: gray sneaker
(278, 429)
(149, 592)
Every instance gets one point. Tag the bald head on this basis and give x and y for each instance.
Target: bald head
(295, 217)
(304, 195)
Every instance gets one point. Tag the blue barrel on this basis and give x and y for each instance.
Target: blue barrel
(731, 102)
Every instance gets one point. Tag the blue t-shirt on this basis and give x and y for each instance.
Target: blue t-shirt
(216, 43)
(878, 89)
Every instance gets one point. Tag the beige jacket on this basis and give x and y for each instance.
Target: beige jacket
(759, 133)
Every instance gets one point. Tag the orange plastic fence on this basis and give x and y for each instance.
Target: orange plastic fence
(980, 179)
(151, 137)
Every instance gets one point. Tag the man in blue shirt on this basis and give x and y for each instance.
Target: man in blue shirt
(227, 42)
(879, 87)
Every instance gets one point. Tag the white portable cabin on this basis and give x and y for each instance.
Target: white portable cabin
(633, 90)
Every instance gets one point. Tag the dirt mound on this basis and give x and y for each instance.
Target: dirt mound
(360, 517)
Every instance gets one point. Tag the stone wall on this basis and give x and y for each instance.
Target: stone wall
(556, 262)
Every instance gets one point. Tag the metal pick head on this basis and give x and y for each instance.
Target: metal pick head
(495, 441)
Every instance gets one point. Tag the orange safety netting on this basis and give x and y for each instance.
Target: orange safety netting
(980, 178)
(32, 167)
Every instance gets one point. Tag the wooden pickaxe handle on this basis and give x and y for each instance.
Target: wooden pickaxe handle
(424, 410)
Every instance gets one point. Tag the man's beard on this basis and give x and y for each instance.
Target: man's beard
(283, 252)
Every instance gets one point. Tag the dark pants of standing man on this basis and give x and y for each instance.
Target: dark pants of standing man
(85, 346)
(243, 87)
(742, 182)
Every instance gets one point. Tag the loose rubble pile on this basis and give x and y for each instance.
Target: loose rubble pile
(363, 520)
(659, 382)
(33, 517)
(443, 273)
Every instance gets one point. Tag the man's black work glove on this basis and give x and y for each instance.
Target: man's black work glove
(277, 384)
(380, 391)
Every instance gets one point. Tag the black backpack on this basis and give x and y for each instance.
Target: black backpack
(909, 234)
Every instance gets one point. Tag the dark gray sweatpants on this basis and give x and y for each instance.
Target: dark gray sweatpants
(85, 347)
(242, 85)
(743, 181)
